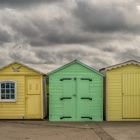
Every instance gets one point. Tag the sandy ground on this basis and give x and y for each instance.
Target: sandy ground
(122, 130)
(34, 131)
(43, 130)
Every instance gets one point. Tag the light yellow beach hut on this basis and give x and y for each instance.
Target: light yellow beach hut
(22, 92)
(123, 91)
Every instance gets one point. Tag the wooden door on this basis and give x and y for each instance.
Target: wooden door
(85, 99)
(68, 99)
(131, 95)
(33, 98)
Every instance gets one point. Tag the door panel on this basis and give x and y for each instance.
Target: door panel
(33, 106)
(68, 99)
(33, 99)
(33, 85)
(131, 95)
(85, 99)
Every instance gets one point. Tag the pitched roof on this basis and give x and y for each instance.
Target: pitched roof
(31, 68)
(134, 62)
(73, 62)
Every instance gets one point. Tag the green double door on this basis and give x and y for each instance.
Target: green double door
(76, 99)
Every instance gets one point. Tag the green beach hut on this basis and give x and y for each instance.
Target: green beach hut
(75, 93)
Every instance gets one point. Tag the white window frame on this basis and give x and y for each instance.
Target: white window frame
(8, 100)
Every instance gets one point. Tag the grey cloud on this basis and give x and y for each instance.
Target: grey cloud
(4, 36)
(129, 54)
(85, 53)
(108, 49)
(58, 57)
(107, 18)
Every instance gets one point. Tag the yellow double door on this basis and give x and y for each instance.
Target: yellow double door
(131, 96)
(33, 98)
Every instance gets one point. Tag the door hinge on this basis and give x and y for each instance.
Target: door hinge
(62, 79)
(63, 117)
(86, 117)
(62, 98)
(88, 98)
(86, 79)
(75, 78)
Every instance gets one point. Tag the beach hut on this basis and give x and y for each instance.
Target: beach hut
(75, 93)
(123, 91)
(22, 92)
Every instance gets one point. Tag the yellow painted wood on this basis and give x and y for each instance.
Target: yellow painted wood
(29, 93)
(122, 93)
(131, 95)
(11, 70)
(33, 102)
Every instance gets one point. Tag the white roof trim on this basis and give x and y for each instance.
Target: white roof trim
(134, 62)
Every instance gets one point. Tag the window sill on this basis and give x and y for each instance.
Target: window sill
(7, 101)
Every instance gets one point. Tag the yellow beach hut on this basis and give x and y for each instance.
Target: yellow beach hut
(22, 92)
(123, 91)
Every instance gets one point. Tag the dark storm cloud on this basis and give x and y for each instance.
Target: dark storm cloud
(87, 23)
(107, 18)
(58, 31)
(61, 31)
(41, 32)
(24, 3)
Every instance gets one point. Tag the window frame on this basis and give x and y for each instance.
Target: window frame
(8, 100)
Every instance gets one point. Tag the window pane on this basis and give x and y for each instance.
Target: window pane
(3, 85)
(12, 90)
(7, 96)
(2, 96)
(2, 90)
(12, 96)
(7, 90)
(12, 85)
(7, 85)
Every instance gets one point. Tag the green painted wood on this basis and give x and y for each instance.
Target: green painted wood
(75, 94)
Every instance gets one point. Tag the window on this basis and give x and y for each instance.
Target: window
(7, 91)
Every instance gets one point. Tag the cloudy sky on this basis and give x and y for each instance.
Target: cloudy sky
(54, 32)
